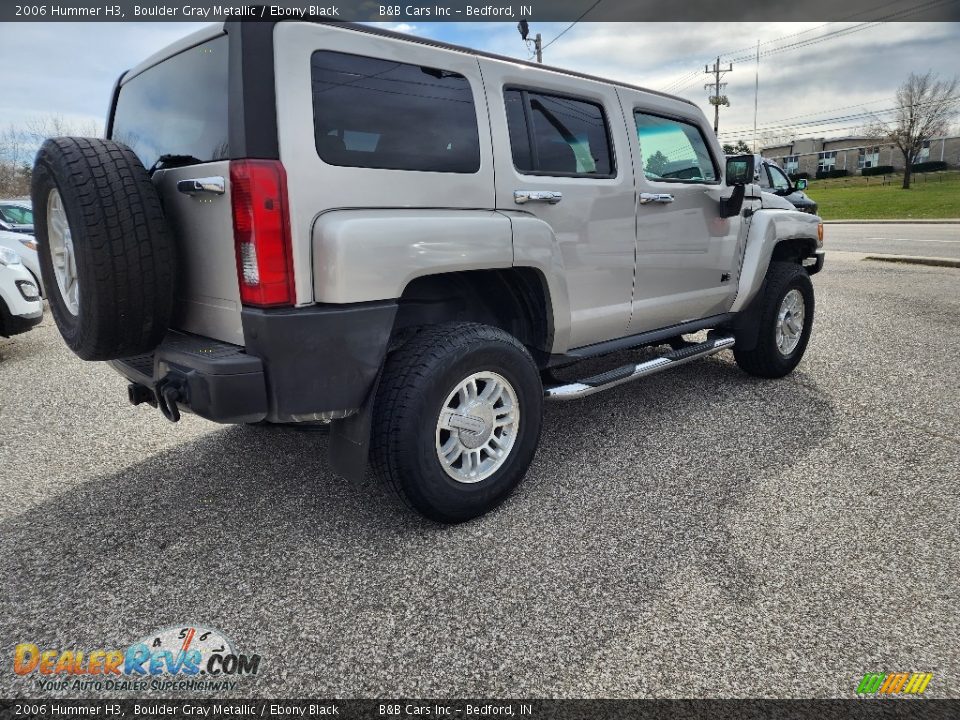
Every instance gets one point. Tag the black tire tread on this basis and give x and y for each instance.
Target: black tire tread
(760, 361)
(407, 368)
(120, 229)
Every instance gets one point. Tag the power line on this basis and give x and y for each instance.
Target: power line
(843, 32)
(867, 114)
(810, 30)
(564, 31)
(840, 32)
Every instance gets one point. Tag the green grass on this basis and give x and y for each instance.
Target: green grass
(931, 196)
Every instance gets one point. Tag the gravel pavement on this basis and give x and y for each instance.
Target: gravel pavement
(699, 533)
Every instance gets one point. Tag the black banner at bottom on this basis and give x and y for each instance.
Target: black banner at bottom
(481, 709)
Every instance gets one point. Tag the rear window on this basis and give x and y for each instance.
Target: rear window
(178, 107)
(384, 114)
(554, 135)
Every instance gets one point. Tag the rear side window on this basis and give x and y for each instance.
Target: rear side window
(553, 135)
(178, 107)
(384, 114)
(673, 151)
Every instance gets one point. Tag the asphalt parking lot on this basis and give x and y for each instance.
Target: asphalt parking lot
(700, 533)
(925, 240)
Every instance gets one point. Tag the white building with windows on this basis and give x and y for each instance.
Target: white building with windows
(854, 154)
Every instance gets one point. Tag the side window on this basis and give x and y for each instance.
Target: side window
(673, 151)
(552, 135)
(779, 180)
(384, 114)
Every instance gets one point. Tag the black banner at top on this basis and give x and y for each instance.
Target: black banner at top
(481, 11)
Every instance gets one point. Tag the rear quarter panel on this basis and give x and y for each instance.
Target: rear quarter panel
(316, 187)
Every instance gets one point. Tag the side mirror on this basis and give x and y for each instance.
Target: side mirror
(731, 206)
(801, 184)
(740, 170)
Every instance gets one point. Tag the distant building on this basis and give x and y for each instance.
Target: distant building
(853, 154)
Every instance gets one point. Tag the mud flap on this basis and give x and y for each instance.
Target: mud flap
(746, 323)
(350, 439)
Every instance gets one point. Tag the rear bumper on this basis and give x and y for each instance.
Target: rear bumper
(299, 364)
(217, 381)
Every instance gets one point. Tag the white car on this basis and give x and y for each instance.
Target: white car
(26, 247)
(20, 305)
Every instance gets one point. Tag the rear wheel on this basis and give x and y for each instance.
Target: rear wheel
(457, 420)
(786, 319)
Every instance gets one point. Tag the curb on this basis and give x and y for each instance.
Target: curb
(916, 260)
(908, 221)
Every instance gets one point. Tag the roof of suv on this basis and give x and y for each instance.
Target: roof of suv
(210, 32)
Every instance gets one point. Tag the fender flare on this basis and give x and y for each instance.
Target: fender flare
(769, 228)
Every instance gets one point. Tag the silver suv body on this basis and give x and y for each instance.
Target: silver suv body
(404, 184)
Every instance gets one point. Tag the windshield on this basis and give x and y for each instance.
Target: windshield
(17, 214)
(178, 107)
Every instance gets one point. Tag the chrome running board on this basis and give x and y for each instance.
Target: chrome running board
(627, 373)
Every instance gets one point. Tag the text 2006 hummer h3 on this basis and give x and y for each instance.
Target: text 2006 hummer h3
(299, 222)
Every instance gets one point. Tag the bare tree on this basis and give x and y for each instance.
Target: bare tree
(18, 145)
(42, 127)
(925, 108)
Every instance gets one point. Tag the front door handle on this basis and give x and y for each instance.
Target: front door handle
(647, 198)
(196, 186)
(548, 196)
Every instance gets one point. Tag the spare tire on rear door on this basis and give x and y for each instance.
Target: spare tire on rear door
(106, 252)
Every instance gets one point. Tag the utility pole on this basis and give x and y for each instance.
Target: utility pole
(716, 99)
(524, 27)
(756, 95)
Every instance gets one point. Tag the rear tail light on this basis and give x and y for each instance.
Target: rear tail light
(261, 232)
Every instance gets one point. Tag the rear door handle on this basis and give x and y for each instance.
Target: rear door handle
(647, 198)
(196, 186)
(548, 196)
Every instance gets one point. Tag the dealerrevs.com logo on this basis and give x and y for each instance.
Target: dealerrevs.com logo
(185, 657)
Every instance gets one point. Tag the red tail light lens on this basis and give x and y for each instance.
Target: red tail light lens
(261, 232)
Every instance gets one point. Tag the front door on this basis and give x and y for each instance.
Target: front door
(686, 253)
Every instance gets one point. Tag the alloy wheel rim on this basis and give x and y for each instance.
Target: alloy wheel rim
(62, 253)
(790, 319)
(478, 426)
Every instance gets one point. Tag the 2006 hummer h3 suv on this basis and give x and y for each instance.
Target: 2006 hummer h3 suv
(299, 222)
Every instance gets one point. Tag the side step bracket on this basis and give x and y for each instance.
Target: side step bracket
(627, 373)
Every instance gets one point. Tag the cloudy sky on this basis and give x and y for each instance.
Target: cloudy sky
(815, 78)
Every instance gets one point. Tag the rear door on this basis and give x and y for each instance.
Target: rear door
(174, 116)
(562, 154)
(686, 253)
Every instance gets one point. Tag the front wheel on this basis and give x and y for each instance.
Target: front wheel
(457, 420)
(786, 319)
